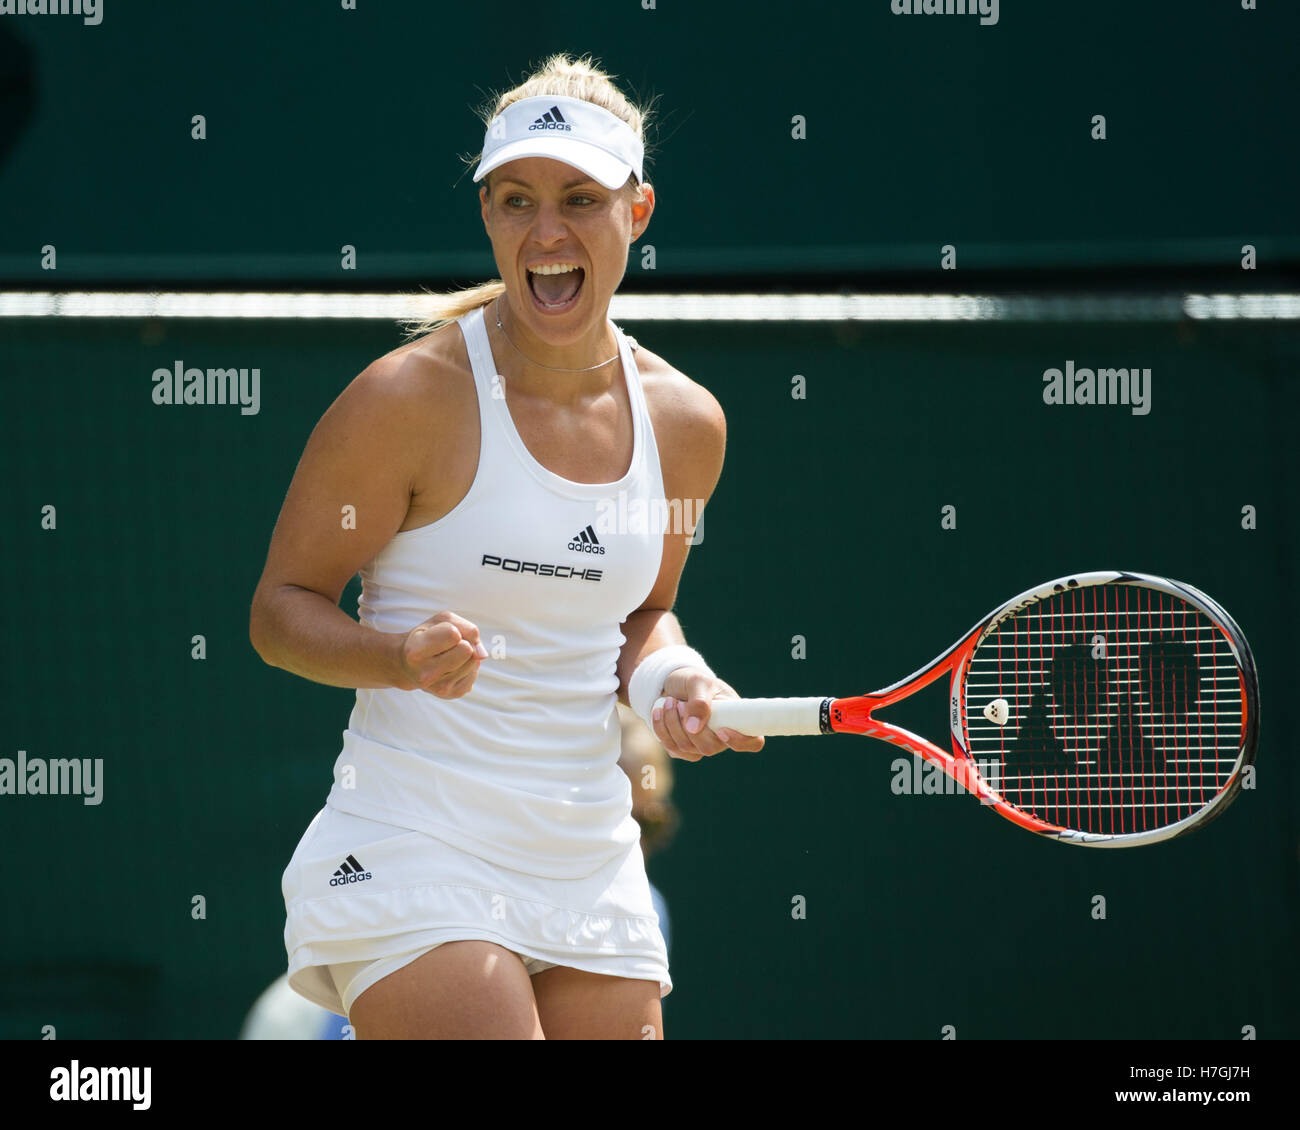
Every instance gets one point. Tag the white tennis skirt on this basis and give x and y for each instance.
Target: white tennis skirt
(358, 891)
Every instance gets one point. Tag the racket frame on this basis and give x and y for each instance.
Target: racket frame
(855, 714)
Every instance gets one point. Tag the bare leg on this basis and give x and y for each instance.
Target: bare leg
(460, 991)
(574, 1005)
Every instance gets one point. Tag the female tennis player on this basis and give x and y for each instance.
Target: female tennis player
(475, 871)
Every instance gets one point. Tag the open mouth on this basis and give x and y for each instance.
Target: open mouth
(556, 292)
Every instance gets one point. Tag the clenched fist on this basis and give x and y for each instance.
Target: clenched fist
(441, 656)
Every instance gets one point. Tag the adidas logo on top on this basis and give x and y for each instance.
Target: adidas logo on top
(552, 119)
(584, 541)
(350, 871)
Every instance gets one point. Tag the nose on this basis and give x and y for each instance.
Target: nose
(548, 223)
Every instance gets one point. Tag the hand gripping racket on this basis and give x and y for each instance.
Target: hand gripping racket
(1107, 709)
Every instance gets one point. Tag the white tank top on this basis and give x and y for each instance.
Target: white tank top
(522, 771)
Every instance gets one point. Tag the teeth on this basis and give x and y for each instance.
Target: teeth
(556, 269)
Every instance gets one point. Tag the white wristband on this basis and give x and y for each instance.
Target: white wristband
(647, 682)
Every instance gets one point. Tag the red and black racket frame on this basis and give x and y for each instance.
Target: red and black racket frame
(855, 715)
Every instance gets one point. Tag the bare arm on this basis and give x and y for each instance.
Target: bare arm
(646, 630)
(692, 434)
(349, 496)
(305, 634)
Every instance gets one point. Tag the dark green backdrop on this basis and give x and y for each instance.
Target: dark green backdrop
(921, 911)
(329, 127)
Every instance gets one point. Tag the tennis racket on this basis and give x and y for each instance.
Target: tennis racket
(1106, 709)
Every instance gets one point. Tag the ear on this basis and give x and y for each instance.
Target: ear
(643, 206)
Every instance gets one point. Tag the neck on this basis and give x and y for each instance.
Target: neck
(539, 368)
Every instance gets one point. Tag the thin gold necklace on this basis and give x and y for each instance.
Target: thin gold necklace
(552, 368)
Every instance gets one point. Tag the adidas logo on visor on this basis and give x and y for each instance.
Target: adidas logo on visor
(552, 119)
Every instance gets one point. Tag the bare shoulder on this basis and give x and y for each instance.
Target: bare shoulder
(409, 419)
(427, 372)
(420, 409)
(681, 410)
(689, 425)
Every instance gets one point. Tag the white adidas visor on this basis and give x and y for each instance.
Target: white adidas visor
(565, 129)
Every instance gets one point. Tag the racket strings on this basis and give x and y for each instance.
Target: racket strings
(1123, 709)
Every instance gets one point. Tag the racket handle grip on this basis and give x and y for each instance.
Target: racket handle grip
(768, 717)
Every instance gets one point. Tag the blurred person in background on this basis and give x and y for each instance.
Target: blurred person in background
(650, 770)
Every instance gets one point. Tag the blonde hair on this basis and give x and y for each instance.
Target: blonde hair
(558, 75)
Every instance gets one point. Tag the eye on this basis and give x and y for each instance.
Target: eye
(589, 199)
